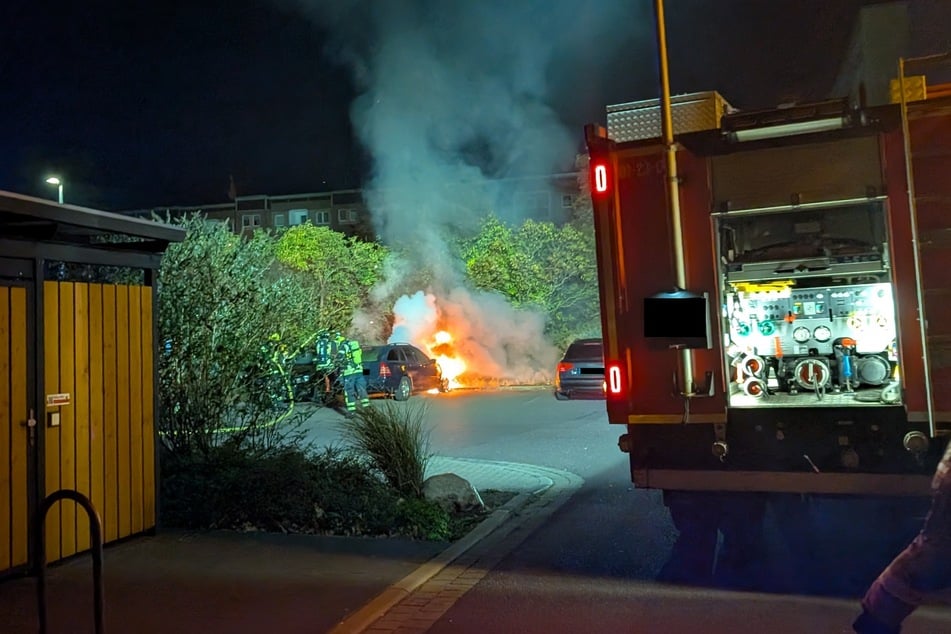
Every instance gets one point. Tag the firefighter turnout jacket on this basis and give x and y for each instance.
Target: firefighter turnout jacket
(352, 357)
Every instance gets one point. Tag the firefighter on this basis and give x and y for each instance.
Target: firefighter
(325, 354)
(354, 385)
(920, 571)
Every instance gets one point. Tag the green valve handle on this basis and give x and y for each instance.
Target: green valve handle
(766, 328)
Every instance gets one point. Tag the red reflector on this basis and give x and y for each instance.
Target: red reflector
(600, 178)
(614, 384)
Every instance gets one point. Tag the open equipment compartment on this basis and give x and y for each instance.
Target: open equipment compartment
(808, 309)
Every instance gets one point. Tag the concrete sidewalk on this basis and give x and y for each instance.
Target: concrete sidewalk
(222, 581)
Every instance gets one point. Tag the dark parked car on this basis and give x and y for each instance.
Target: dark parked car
(399, 369)
(580, 373)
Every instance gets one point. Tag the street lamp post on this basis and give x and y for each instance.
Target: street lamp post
(54, 180)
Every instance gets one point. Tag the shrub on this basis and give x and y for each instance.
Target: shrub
(424, 519)
(280, 489)
(330, 492)
(392, 437)
(229, 325)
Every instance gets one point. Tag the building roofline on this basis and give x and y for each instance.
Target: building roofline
(94, 220)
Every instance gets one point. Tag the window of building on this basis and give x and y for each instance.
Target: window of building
(250, 221)
(278, 220)
(322, 217)
(347, 215)
(567, 201)
(533, 204)
(297, 216)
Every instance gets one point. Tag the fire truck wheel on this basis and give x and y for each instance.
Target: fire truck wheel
(403, 390)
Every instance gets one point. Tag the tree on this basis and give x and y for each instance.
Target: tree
(494, 261)
(541, 265)
(229, 324)
(338, 270)
(562, 277)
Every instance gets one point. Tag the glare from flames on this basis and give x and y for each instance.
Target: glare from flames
(441, 349)
(477, 338)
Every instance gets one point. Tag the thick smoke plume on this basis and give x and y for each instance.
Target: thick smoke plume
(455, 100)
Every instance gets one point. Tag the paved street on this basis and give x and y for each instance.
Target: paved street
(576, 551)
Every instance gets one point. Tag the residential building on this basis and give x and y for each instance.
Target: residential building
(541, 198)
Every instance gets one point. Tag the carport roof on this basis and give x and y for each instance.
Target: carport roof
(26, 218)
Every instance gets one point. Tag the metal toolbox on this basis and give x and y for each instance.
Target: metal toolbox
(690, 112)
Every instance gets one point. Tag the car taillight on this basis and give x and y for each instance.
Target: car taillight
(564, 367)
(384, 371)
(614, 383)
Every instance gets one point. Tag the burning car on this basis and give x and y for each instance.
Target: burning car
(399, 370)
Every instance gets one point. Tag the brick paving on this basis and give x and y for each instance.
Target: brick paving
(257, 582)
(434, 596)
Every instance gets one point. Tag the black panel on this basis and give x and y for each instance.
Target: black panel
(16, 268)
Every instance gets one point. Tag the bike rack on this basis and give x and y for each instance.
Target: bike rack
(39, 537)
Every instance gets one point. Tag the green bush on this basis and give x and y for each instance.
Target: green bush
(331, 492)
(229, 323)
(424, 519)
(393, 438)
(284, 490)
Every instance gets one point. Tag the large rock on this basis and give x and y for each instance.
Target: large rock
(452, 492)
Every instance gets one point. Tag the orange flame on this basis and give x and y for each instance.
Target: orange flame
(442, 350)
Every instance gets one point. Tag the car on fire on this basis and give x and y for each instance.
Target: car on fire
(580, 373)
(399, 370)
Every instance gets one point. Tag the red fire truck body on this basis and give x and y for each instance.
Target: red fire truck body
(778, 319)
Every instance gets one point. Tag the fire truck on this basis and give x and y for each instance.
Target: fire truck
(775, 292)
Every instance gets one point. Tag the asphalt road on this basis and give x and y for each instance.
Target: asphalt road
(581, 557)
(529, 426)
(598, 556)
(513, 425)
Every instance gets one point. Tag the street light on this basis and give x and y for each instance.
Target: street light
(53, 180)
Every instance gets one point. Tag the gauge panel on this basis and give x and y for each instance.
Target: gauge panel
(801, 321)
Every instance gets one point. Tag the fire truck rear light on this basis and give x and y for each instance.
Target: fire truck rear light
(600, 178)
(614, 383)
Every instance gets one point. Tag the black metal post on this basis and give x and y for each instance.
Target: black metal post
(39, 539)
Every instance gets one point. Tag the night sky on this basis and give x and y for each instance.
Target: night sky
(141, 104)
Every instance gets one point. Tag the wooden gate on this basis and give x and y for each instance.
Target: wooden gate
(99, 427)
(15, 441)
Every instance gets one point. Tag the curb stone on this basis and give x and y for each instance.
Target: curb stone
(371, 612)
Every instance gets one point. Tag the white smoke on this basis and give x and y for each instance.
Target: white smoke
(416, 318)
(455, 98)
